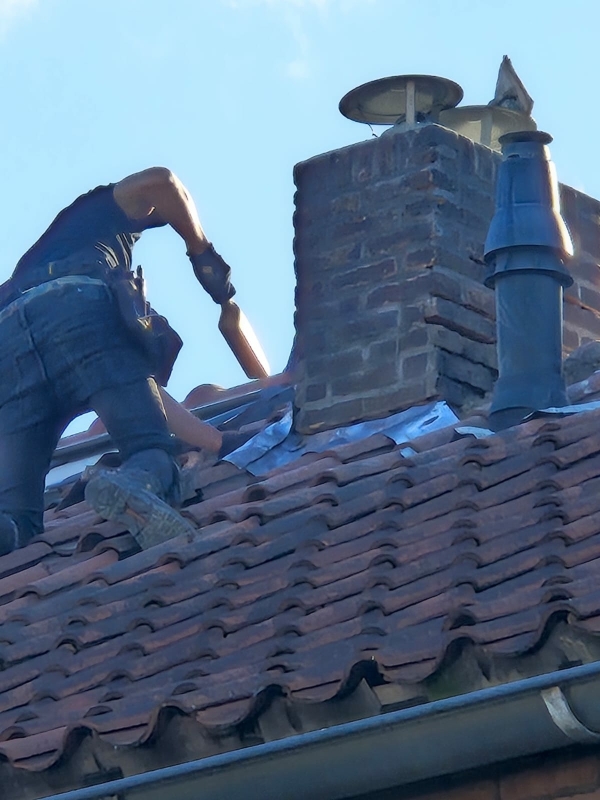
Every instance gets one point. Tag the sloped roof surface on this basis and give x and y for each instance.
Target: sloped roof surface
(355, 556)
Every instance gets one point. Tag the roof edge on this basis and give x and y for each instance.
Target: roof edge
(448, 736)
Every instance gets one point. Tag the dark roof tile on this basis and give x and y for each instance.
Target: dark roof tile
(357, 555)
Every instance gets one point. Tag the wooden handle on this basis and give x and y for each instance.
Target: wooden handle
(240, 336)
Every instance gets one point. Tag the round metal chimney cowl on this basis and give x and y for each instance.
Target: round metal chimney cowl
(486, 124)
(401, 100)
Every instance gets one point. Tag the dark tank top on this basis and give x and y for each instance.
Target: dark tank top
(89, 237)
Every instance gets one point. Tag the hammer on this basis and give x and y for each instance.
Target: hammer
(240, 336)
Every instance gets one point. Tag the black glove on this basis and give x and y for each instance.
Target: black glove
(232, 440)
(213, 274)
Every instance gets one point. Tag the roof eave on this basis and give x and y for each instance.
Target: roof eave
(392, 750)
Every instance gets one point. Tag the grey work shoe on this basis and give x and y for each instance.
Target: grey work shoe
(129, 498)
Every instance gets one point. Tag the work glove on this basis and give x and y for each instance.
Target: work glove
(232, 440)
(213, 274)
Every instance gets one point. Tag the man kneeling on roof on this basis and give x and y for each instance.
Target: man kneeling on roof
(79, 335)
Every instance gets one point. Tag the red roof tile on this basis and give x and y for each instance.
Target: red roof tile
(353, 556)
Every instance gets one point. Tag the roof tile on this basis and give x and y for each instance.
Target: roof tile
(356, 555)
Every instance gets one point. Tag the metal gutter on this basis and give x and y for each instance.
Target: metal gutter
(388, 751)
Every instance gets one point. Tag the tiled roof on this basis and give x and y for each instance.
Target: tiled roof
(353, 562)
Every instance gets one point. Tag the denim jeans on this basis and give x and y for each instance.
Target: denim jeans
(66, 351)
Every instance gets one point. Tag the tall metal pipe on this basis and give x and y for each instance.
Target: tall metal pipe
(527, 248)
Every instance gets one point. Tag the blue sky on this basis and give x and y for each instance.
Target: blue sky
(230, 94)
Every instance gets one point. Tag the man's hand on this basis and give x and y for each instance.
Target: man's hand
(213, 274)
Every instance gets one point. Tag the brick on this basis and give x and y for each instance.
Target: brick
(465, 371)
(459, 319)
(382, 376)
(591, 297)
(323, 259)
(324, 176)
(310, 420)
(333, 364)
(464, 291)
(337, 310)
(394, 242)
(415, 366)
(423, 206)
(351, 228)
(383, 351)
(586, 270)
(429, 179)
(582, 319)
(573, 292)
(393, 220)
(310, 290)
(453, 342)
(552, 777)
(412, 315)
(365, 276)
(417, 336)
(315, 391)
(464, 220)
(409, 394)
(350, 305)
(416, 287)
(383, 195)
(371, 160)
(587, 235)
(435, 136)
(571, 339)
(322, 418)
(421, 258)
(383, 295)
(369, 328)
(345, 203)
(461, 259)
(457, 395)
(479, 200)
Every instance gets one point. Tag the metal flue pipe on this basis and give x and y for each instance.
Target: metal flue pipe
(527, 248)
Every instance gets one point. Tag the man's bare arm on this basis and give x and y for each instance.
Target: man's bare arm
(188, 427)
(158, 191)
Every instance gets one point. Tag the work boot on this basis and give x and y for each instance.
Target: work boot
(133, 497)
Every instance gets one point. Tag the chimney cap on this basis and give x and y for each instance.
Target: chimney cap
(540, 137)
(400, 99)
(487, 125)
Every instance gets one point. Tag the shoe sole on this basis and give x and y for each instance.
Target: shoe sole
(150, 520)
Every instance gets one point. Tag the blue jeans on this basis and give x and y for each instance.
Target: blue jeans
(66, 351)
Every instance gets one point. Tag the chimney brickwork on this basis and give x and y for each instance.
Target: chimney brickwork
(391, 310)
(582, 300)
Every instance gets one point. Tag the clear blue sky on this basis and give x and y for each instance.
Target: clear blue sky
(230, 94)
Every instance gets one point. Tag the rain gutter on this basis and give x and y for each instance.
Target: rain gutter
(505, 722)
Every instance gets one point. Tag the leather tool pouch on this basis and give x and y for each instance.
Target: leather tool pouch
(149, 329)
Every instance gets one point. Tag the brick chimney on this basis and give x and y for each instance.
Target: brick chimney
(391, 310)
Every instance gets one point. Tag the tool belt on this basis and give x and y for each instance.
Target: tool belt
(149, 329)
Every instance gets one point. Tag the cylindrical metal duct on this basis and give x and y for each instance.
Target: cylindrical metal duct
(527, 247)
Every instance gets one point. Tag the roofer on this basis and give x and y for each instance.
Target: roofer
(77, 335)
